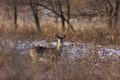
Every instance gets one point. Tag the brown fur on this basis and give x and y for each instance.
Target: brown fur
(40, 52)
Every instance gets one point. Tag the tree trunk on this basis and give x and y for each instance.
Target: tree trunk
(112, 12)
(61, 15)
(37, 21)
(15, 13)
(34, 8)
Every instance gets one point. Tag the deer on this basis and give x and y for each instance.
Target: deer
(40, 52)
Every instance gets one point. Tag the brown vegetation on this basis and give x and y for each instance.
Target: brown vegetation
(15, 66)
(97, 35)
(92, 67)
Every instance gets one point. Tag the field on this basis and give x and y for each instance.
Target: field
(91, 54)
(90, 50)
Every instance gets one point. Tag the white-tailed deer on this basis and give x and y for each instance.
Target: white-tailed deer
(39, 52)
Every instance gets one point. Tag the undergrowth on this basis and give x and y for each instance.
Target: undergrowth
(96, 35)
(14, 66)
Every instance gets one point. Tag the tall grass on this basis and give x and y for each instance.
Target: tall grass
(97, 35)
(14, 66)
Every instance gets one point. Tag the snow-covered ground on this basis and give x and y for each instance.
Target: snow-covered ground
(70, 49)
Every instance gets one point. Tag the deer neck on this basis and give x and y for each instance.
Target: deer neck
(59, 45)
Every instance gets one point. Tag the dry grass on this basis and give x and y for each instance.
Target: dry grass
(104, 36)
(14, 66)
(97, 35)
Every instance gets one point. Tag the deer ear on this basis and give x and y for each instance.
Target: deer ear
(64, 36)
(56, 35)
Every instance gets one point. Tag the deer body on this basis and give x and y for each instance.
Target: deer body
(39, 52)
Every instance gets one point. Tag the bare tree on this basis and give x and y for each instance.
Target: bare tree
(11, 5)
(112, 12)
(68, 10)
(61, 13)
(108, 8)
(116, 12)
(59, 9)
(15, 9)
(34, 7)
